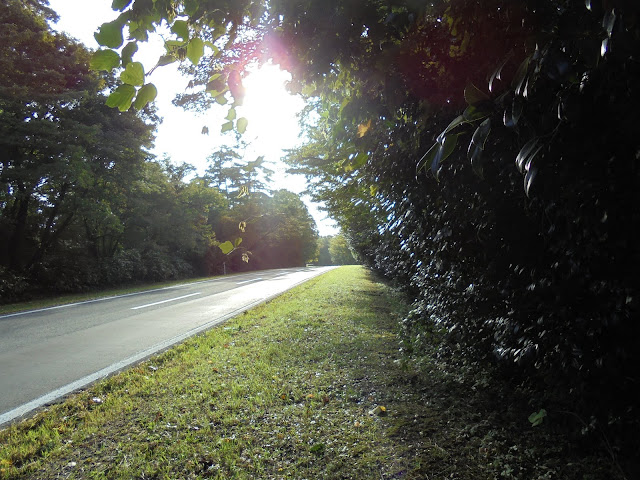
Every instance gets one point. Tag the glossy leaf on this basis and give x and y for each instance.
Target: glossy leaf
(110, 34)
(518, 106)
(459, 120)
(528, 180)
(481, 134)
(530, 149)
(195, 50)
(104, 60)
(445, 149)
(475, 157)
(122, 97)
(427, 158)
(520, 76)
(609, 21)
(473, 113)
(226, 247)
(242, 124)
(605, 46)
(133, 74)
(146, 94)
(473, 95)
(476, 146)
(496, 75)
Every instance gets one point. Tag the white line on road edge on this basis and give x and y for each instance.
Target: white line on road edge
(165, 301)
(249, 281)
(111, 369)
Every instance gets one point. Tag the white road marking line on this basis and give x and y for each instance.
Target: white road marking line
(165, 301)
(248, 281)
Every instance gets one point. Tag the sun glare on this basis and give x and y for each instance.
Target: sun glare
(271, 110)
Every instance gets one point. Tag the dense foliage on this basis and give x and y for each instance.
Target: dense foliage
(84, 204)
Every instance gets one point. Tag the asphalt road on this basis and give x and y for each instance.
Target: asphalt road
(48, 353)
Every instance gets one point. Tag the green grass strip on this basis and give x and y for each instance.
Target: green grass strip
(284, 391)
(294, 389)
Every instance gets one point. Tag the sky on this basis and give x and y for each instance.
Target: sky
(271, 111)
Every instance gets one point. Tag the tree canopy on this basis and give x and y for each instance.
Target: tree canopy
(483, 154)
(83, 202)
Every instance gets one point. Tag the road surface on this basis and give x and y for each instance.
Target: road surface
(48, 353)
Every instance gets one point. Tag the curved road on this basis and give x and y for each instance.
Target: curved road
(48, 353)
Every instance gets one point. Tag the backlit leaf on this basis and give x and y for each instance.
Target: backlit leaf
(226, 127)
(110, 34)
(226, 247)
(195, 50)
(104, 60)
(181, 29)
(231, 115)
(133, 74)
(237, 242)
(146, 95)
(122, 97)
(128, 51)
(166, 60)
(242, 124)
(363, 128)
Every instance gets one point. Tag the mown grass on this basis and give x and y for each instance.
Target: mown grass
(286, 391)
(283, 391)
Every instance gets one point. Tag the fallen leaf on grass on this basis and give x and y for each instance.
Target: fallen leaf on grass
(379, 411)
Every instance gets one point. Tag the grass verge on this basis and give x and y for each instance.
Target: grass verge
(308, 386)
(283, 391)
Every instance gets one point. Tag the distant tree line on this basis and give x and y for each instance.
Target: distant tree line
(83, 202)
(335, 250)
